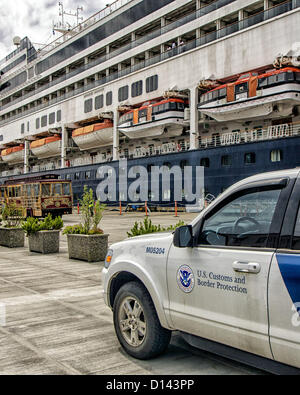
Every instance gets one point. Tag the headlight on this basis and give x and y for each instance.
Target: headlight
(108, 259)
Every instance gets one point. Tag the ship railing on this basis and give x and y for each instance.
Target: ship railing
(108, 10)
(236, 138)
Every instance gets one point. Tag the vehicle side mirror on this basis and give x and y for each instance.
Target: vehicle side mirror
(183, 237)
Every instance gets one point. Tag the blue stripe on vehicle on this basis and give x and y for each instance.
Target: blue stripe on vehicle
(289, 266)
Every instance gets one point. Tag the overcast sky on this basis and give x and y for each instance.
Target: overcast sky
(33, 18)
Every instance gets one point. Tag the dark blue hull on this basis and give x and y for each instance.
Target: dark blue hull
(218, 176)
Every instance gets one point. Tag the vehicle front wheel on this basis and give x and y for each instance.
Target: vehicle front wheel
(136, 323)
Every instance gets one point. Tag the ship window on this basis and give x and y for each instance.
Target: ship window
(276, 156)
(183, 164)
(76, 176)
(241, 88)
(23, 128)
(142, 113)
(44, 121)
(88, 105)
(109, 98)
(209, 96)
(290, 76)
(87, 175)
(172, 106)
(222, 93)
(250, 158)
(37, 123)
(262, 82)
(137, 89)
(58, 116)
(158, 109)
(204, 98)
(52, 118)
(99, 102)
(152, 83)
(123, 93)
(297, 76)
(1, 137)
(275, 79)
(215, 95)
(204, 162)
(226, 160)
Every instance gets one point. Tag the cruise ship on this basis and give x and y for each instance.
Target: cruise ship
(157, 82)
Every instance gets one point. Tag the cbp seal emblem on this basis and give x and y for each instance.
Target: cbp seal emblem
(186, 279)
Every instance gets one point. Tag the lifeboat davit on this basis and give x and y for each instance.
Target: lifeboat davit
(46, 147)
(13, 154)
(272, 94)
(163, 118)
(94, 136)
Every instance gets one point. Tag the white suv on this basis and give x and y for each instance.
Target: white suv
(229, 282)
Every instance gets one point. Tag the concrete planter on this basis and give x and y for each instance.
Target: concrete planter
(12, 237)
(88, 248)
(45, 242)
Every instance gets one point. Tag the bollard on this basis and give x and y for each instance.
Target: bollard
(176, 209)
(146, 209)
(78, 209)
(120, 208)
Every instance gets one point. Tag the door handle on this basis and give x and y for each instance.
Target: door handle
(246, 267)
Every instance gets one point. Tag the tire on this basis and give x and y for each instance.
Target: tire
(136, 323)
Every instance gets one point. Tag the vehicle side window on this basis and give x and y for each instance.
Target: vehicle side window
(45, 189)
(36, 189)
(243, 222)
(296, 236)
(28, 190)
(66, 189)
(56, 189)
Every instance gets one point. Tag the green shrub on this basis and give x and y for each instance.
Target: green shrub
(34, 225)
(147, 227)
(79, 230)
(12, 216)
(91, 214)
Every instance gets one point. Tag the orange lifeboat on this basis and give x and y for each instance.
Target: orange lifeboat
(46, 147)
(94, 136)
(13, 154)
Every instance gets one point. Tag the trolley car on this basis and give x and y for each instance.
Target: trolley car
(38, 196)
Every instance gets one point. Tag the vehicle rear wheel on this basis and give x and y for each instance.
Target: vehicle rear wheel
(136, 323)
